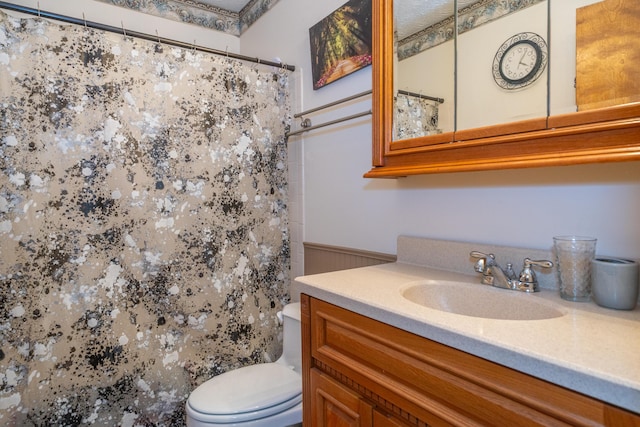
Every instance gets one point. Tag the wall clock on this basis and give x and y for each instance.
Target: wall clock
(520, 61)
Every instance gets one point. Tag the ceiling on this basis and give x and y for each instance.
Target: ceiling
(412, 16)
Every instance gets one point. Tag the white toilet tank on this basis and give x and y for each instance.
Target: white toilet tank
(292, 342)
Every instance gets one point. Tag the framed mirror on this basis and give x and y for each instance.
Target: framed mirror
(533, 139)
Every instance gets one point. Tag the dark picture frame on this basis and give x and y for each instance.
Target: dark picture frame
(341, 43)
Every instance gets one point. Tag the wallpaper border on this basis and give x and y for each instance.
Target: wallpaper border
(471, 17)
(203, 15)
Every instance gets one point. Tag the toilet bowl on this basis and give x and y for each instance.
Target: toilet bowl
(262, 395)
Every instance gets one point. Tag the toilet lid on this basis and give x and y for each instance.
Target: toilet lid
(250, 389)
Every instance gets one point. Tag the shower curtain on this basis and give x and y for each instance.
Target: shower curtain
(143, 223)
(414, 117)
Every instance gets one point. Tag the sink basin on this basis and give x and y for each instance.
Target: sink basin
(481, 301)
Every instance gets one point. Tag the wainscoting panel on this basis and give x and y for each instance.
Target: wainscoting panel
(320, 258)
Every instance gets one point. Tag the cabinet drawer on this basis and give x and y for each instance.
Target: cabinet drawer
(436, 384)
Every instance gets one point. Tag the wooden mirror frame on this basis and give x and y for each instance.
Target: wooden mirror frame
(609, 134)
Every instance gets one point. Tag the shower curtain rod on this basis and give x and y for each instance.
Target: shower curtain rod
(418, 95)
(128, 33)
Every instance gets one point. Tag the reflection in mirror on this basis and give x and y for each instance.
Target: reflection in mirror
(562, 79)
(424, 67)
(598, 66)
(502, 58)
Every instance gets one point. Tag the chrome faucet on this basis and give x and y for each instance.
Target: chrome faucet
(494, 275)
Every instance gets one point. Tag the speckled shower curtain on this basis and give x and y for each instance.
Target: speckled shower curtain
(143, 223)
(414, 117)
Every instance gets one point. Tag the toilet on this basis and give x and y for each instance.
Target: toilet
(262, 395)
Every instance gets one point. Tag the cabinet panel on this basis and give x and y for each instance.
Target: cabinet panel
(424, 382)
(336, 406)
(384, 420)
(412, 373)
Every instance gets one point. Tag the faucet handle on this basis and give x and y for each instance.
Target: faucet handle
(484, 260)
(477, 254)
(527, 275)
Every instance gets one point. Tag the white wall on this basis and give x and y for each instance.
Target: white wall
(520, 207)
(325, 164)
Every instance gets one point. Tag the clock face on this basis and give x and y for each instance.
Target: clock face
(520, 61)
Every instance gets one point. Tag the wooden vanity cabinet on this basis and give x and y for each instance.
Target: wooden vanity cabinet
(361, 372)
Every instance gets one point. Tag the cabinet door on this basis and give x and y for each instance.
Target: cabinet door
(333, 405)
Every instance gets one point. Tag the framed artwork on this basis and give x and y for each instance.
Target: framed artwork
(341, 43)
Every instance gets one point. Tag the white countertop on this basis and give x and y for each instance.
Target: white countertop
(592, 350)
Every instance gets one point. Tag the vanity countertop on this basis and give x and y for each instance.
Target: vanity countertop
(592, 350)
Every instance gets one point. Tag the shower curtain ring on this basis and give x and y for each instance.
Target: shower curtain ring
(194, 45)
(85, 21)
(158, 36)
(38, 9)
(123, 30)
